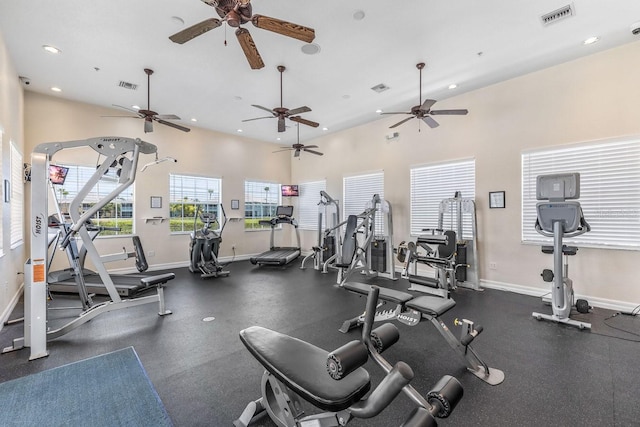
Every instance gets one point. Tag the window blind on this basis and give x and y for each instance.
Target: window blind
(358, 190)
(17, 197)
(308, 204)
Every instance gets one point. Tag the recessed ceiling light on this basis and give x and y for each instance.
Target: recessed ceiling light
(346, 96)
(237, 98)
(378, 111)
(51, 49)
(194, 119)
(239, 130)
(358, 15)
(453, 86)
(278, 139)
(310, 48)
(135, 107)
(325, 128)
(591, 40)
(56, 89)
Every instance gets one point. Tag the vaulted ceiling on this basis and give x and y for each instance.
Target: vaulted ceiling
(358, 45)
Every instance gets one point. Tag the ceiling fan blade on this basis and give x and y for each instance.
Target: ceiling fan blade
(173, 125)
(430, 122)
(258, 118)
(283, 149)
(401, 122)
(297, 153)
(299, 119)
(148, 125)
(129, 117)
(313, 152)
(249, 48)
(281, 124)
(398, 112)
(263, 108)
(310, 146)
(128, 109)
(285, 28)
(298, 110)
(428, 103)
(460, 112)
(167, 117)
(195, 30)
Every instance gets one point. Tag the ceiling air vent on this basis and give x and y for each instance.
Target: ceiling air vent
(380, 88)
(128, 85)
(558, 15)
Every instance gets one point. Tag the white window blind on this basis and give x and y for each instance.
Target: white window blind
(2, 190)
(358, 190)
(609, 190)
(17, 197)
(189, 194)
(308, 204)
(430, 184)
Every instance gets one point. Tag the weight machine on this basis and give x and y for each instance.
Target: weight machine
(454, 259)
(559, 216)
(328, 247)
(365, 250)
(120, 156)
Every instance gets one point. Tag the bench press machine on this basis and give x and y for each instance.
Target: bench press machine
(335, 381)
(411, 311)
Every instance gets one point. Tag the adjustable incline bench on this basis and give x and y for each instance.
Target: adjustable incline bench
(410, 311)
(336, 382)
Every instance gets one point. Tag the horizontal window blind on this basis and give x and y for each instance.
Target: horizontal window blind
(17, 196)
(609, 190)
(308, 204)
(431, 184)
(358, 190)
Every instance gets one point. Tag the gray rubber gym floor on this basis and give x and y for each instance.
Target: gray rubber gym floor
(555, 375)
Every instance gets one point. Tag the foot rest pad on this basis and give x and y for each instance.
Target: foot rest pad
(386, 294)
(155, 280)
(303, 368)
(431, 305)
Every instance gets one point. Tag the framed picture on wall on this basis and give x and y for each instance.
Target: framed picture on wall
(235, 204)
(496, 199)
(156, 202)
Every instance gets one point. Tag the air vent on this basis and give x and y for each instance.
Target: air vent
(380, 88)
(558, 15)
(128, 85)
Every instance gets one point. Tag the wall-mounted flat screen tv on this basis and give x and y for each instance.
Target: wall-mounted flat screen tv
(290, 190)
(57, 174)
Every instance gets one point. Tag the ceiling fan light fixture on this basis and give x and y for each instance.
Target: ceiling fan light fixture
(310, 49)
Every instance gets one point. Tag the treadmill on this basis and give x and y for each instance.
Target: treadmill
(278, 255)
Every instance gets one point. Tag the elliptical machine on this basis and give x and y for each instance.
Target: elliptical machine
(559, 217)
(205, 244)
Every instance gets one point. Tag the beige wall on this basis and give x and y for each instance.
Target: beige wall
(199, 152)
(11, 129)
(596, 97)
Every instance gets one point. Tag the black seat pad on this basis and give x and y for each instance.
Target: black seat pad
(386, 294)
(303, 368)
(154, 280)
(431, 305)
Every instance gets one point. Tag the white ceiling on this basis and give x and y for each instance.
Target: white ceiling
(473, 43)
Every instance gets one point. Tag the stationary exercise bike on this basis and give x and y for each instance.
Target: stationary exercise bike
(205, 244)
(559, 218)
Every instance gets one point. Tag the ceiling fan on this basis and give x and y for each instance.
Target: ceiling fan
(236, 13)
(297, 147)
(423, 110)
(282, 113)
(150, 116)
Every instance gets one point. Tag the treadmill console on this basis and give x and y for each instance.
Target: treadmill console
(284, 211)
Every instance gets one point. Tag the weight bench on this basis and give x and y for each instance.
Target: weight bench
(334, 382)
(411, 310)
(159, 280)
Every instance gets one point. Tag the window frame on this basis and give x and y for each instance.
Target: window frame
(211, 183)
(248, 204)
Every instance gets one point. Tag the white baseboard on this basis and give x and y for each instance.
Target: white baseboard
(12, 304)
(537, 292)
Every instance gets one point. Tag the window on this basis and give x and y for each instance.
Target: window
(190, 194)
(609, 190)
(358, 190)
(118, 213)
(431, 184)
(308, 204)
(17, 197)
(2, 190)
(260, 202)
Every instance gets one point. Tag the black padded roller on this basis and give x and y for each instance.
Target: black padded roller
(420, 417)
(346, 359)
(384, 336)
(445, 395)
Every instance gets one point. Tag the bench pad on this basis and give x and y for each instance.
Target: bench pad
(386, 294)
(303, 368)
(160, 278)
(431, 305)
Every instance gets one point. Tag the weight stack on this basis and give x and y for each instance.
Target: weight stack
(379, 256)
